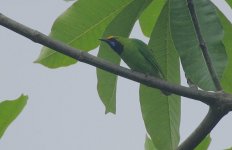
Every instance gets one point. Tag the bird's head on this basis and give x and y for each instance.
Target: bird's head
(114, 43)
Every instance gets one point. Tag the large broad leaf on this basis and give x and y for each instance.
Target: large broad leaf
(149, 144)
(80, 26)
(150, 15)
(204, 144)
(9, 110)
(227, 76)
(186, 42)
(121, 26)
(161, 113)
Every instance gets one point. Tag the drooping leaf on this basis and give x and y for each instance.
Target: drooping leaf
(80, 26)
(161, 113)
(186, 42)
(9, 110)
(150, 16)
(227, 76)
(204, 144)
(121, 26)
(149, 144)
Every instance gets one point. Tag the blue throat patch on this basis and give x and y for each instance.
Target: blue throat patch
(115, 45)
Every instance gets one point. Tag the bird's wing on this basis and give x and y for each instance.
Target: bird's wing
(147, 54)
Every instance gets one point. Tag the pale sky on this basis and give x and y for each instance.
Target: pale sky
(63, 110)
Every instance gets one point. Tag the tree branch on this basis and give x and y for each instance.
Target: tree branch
(204, 47)
(206, 126)
(203, 96)
(214, 100)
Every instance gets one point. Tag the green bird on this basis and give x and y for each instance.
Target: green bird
(136, 54)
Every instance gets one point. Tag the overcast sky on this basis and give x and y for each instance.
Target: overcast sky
(64, 111)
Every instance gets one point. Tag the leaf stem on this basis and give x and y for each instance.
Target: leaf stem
(204, 47)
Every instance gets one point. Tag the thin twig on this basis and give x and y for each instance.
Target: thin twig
(206, 126)
(204, 47)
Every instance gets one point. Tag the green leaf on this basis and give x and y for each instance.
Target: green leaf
(9, 110)
(161, 113)
(204, 145)
(121, 26)
(80, 26)
(149, 144)
(150, 15)
(186, 42)
(227, 80)
(229, 2)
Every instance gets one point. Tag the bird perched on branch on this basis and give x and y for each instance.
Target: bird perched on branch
(137, 55)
